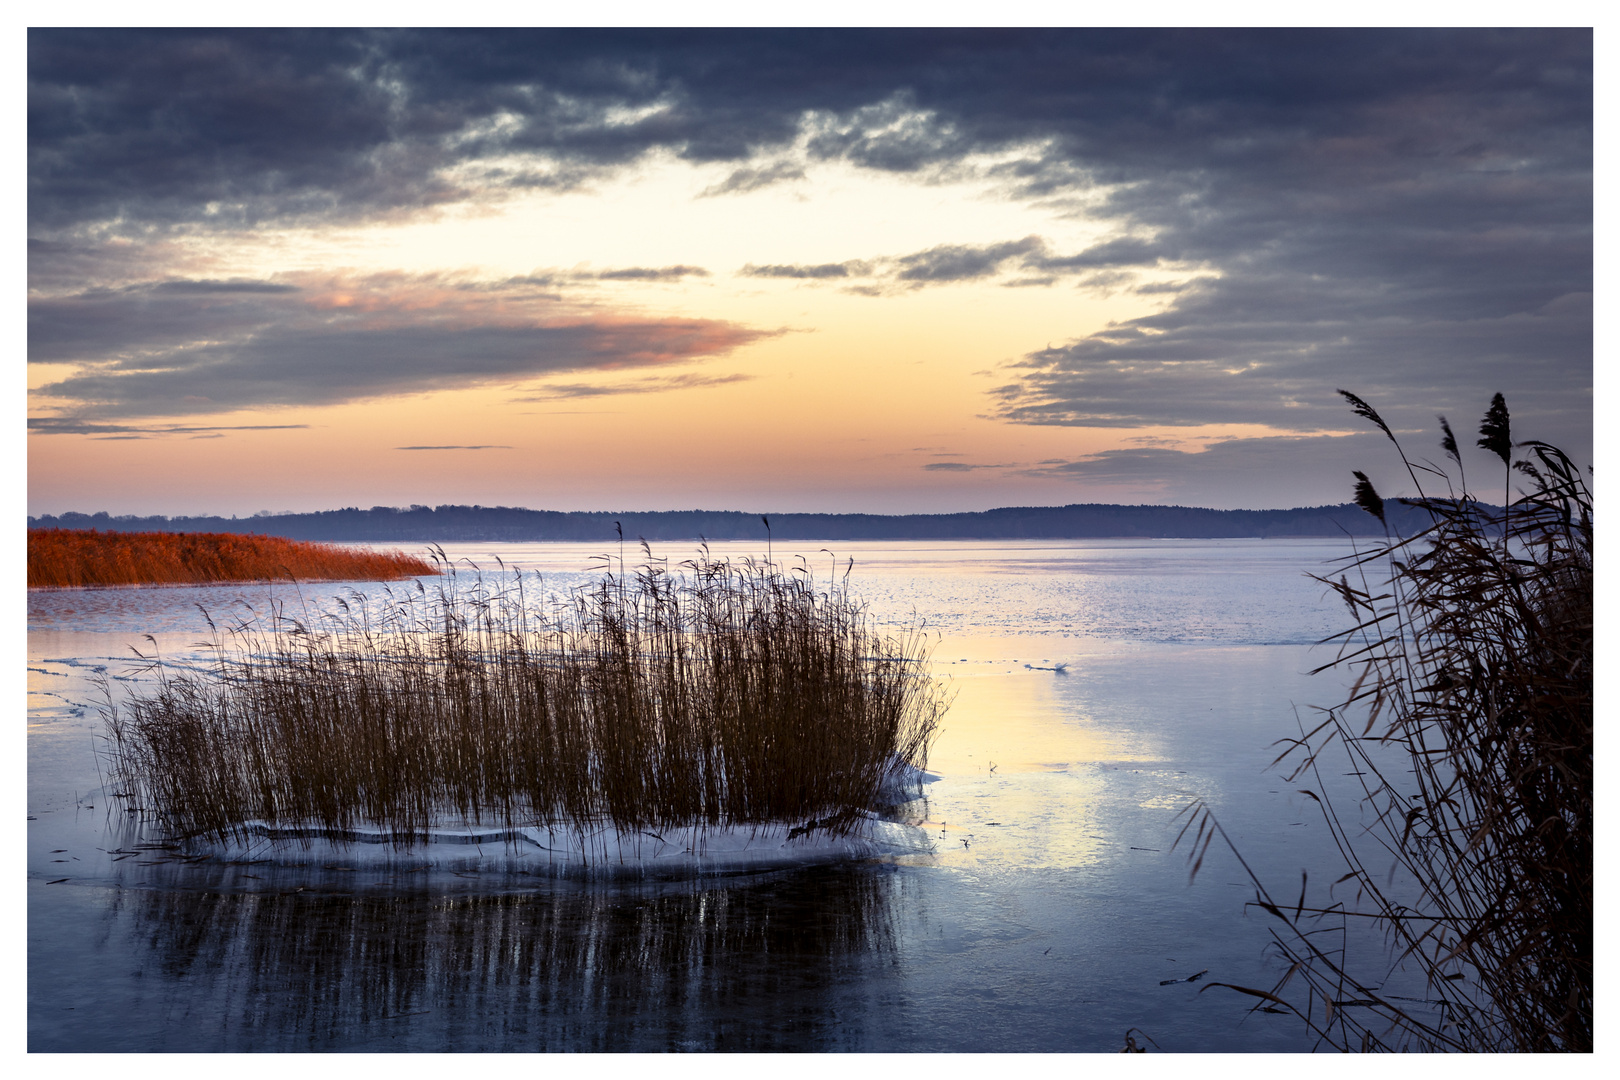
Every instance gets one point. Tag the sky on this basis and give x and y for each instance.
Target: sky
(834, 271)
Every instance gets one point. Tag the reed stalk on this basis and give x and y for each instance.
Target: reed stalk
(1468, 728)
(723, 693)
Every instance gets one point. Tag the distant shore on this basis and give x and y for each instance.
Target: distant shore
(450, 524)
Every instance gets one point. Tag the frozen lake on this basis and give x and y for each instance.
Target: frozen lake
(1048, 915)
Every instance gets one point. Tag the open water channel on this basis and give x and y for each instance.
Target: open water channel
(1100, 687)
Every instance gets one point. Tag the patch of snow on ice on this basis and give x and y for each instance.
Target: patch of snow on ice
(468, 848)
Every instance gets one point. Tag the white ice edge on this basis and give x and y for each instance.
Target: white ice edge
(497, 848)
(471, 846)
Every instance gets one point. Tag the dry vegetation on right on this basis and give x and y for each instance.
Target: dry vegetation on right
(1468, 729)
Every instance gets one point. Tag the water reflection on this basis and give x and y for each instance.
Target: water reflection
(703, 965)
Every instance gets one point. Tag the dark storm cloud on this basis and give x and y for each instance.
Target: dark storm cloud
(161, 350)
(1408, 213)
(161, 124)
(238, 127)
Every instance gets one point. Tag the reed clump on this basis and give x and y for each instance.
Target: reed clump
(722, 693)
(1468, 729)
(66, 558)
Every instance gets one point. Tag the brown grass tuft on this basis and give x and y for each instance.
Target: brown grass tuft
(74, 557)
(724, 694)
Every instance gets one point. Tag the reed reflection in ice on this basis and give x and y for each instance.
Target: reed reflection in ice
(699, 965)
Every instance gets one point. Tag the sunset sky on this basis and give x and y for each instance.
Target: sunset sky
(793, 270)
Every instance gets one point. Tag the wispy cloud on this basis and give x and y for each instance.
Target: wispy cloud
(1030, 258)
(1271, 471)
(645, 273)
(818, 272)
(565, 391)
(68, 425)
(742, 181)
(1124, 251)
(963, 262)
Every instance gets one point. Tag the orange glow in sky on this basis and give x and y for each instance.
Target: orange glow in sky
(777, 393)
(847, 271)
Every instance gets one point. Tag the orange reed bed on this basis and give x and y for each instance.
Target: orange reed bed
(74, 557)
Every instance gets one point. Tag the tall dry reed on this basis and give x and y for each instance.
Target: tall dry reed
(1468, 729)
(721, 694)
(76, 557)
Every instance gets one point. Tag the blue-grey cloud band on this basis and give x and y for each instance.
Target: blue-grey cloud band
(179, 348)
(62, 425)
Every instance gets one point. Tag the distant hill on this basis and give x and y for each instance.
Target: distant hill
(444, 524)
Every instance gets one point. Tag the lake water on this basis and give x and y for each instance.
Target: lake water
(1049, 918)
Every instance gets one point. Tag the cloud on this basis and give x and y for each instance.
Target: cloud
(161, 350)
(1266, 472)
(1273, 349)
(216, 288)
(742, 181)
(897, 134)
(951, 264)
(819, 272)
(483, 447)
(963, 262)
(1125, 251)
(223, 127)
(59, 425)
(552, 280)
(239, 128)
(643, 273)
(1405, 211)
(958, 466)
(564, 391)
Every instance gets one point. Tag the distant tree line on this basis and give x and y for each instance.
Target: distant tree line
(444, 524)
